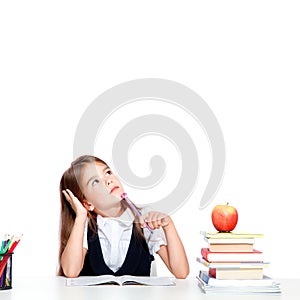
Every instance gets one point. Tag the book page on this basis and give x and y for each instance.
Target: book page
(120, 280)
(93, 280)
(146, 280)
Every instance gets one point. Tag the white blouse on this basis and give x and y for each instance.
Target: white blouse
(115, 234)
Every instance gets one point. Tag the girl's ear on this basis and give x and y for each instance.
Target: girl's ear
(88, 206)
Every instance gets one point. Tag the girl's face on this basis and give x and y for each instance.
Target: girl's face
(101, 187)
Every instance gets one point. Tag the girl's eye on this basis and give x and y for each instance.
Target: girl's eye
(95, 181)
(108, 172)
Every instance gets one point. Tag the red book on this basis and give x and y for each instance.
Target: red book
(254, 256)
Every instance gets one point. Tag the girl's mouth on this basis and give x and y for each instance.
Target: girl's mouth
(113, 189)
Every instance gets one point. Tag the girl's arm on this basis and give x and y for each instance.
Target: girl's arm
(72, 258)
(173, 254)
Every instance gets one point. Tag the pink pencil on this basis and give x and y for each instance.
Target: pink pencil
(136, 212)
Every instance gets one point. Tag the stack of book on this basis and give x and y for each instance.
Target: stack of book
(232, 264)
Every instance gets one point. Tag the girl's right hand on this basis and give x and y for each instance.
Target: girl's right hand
(76, 205)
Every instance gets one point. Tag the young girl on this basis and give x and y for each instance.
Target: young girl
(99, 233)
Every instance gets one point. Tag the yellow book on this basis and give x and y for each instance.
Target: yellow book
(230, 235)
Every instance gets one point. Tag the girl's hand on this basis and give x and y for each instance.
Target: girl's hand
(76, 205)
(155, 220)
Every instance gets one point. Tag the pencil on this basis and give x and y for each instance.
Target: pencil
(136, 211)
(9, 251)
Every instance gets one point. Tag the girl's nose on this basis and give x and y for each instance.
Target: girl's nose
(108, 182)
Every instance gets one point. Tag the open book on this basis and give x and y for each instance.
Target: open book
(120, 280)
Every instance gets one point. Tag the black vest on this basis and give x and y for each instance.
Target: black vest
(137, 261)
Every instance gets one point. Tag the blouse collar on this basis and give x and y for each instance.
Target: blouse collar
(125, 219)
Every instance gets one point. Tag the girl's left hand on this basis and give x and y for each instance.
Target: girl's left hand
(155, 220)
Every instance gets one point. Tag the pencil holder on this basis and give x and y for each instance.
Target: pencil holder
(6, 271)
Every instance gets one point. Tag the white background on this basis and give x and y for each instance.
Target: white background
(241, 57)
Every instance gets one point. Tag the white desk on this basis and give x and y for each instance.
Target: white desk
(54, 288)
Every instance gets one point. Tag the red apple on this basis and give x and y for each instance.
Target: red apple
(224, 217)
